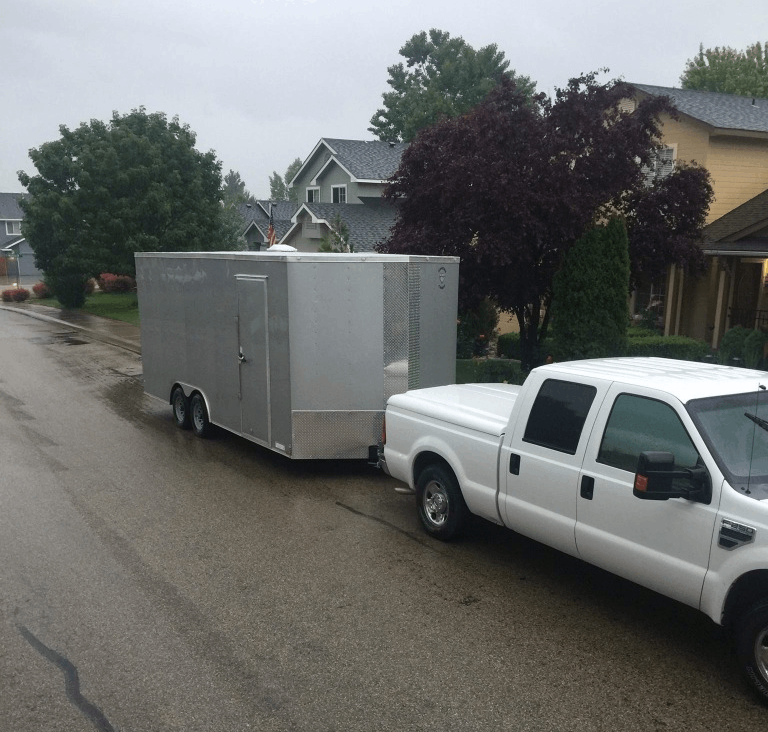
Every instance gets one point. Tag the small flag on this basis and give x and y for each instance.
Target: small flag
(271, 236)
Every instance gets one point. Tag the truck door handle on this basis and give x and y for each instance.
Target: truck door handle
(514, 464)
(587, 487)
(241, 356)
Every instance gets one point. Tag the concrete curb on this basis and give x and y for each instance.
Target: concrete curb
(96, 335)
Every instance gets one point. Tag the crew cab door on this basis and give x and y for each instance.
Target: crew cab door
(663, 545)
(541, 463)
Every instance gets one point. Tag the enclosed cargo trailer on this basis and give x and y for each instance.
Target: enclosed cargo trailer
(296, 352)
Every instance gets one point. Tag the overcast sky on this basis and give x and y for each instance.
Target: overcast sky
(261, 81)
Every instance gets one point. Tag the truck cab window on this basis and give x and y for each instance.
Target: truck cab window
(638, 424)
(558, 415)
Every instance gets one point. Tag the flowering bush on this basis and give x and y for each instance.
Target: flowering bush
(41, 290)
(116, 283)
(18, 295)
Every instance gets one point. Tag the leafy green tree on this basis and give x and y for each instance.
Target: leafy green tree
(590, 309)
(442, 77)
(729, 71)
(234, 191)
(513, 184)
(279, 185)
(108, 189)
(277, 188)
(337, 238)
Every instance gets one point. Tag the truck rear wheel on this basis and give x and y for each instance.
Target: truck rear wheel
(752, 646)
(180, 406)
(441, 506)
(201, 425)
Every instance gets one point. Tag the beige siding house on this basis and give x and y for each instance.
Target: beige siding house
(728, 135)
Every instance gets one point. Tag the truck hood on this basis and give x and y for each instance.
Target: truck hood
(482, 407)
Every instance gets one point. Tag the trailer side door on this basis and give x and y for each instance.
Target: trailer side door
(253, 356)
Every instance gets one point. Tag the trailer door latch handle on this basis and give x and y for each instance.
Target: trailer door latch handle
(241, 356)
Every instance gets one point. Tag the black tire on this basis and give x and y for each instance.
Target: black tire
(198, 412)
(751, 636)
(180, 406)
(442, 509)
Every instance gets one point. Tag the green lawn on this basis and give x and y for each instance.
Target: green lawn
(116, 305)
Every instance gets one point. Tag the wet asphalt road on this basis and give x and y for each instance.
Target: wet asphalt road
(153, 581)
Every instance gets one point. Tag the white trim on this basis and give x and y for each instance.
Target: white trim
(330, 160)
(306, 194)
(320, 143)
(342, 187)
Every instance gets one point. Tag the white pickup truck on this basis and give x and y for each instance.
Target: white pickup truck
(656, 470)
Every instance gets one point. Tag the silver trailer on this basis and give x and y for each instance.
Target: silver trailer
(297, 352)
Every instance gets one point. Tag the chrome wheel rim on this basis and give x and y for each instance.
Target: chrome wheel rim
(761, 652)
(435, 503)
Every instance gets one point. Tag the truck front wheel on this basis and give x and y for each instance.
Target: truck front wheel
(201, 425)
(441, 506)
(752, 646)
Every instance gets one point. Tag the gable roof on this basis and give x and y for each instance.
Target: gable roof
(744, 230)
(372, 161)
(721, 111)
(9, 206)
(257, 215)
(368, 224)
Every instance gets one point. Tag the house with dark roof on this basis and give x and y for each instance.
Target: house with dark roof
(728, 135)
(341, 180)
(17, 261)
(256, 217)
(344, 179)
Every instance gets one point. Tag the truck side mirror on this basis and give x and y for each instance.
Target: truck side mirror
(653, 479)
(655, 475)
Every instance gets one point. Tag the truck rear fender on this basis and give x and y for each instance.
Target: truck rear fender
(479, 491)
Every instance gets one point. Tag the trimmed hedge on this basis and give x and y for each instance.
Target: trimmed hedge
(732, 344)
(20, 294)
(754, 349)
(41, 290)
(680, 347)
(508, 346)
(488, 371)
(116, 283)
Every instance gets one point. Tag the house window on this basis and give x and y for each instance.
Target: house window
(662, 165)
(313, 195)
(339, 194)
(13, 228)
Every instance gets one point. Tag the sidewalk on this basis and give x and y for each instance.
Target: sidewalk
(115, 332)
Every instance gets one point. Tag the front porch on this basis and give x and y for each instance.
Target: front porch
(734, 289)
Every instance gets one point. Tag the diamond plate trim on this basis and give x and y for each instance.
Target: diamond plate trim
(335, 434)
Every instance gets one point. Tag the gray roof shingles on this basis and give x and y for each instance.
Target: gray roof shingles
(749, 214)
(367, 159)
(722, 111)
(368, 224)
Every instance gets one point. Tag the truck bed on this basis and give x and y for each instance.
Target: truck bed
(481, 407)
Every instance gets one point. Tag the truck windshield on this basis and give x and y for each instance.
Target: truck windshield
(735, 428)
